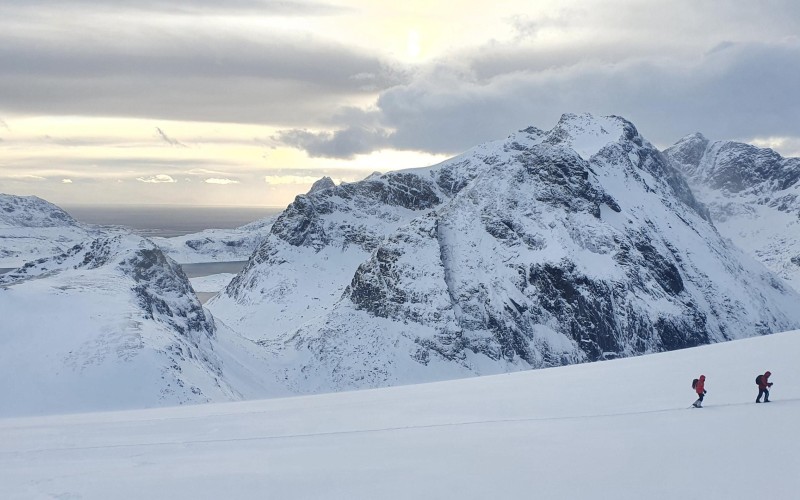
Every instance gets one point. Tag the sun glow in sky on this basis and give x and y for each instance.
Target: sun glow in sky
(246, 102)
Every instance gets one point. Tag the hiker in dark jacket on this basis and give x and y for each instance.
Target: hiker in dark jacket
(763, 386)
(700, 389)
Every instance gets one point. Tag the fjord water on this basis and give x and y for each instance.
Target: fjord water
(168, 220)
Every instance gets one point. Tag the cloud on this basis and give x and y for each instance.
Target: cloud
(157, 179)
(4, 125)
(202, 74)
(214, 180)
(345, 143)
(741, 91)
(260, 7)
(66, 181)
(289, 179)
(169, 140)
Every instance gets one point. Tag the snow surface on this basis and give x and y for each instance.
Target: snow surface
(617, 429)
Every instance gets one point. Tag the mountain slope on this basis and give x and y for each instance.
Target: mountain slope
(111, 323)
(577, 244)
(753, 194)
(32, 228)
(618, 429)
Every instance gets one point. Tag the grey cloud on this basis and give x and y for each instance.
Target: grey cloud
(344, 143)
(204, 76)
(169, 140)
(260, 7)
(4, 125)
(743, 91)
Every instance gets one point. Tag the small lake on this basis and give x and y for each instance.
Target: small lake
(208, 268)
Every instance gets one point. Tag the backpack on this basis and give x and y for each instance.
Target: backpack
(758, 379)
(694, 383)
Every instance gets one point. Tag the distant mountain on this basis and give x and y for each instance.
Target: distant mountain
(577, 244)
(110, 323)
(31, 228)
(217, 245)
(32, 211)
(753, 195)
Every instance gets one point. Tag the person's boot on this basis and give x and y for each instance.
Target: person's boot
(758, 400)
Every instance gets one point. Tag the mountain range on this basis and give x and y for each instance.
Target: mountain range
(551, 247)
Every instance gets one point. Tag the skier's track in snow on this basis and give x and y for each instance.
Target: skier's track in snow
(361, 431)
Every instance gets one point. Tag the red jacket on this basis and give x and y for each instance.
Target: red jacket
(765, 381)
(700, 387)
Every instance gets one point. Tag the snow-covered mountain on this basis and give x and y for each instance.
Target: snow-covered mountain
(31, 228)
(110, 323)
(753, 195)
(217, 245)
(577, 244)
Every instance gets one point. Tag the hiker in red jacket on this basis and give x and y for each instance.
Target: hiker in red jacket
(700, 389)
(763, 386)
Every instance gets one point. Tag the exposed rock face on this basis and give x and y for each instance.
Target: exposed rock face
(753, 195)
(578, 244)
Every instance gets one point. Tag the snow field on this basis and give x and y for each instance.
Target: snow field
(615, 429)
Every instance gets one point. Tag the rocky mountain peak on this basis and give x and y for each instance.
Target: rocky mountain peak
(323, 183)
(588, 134)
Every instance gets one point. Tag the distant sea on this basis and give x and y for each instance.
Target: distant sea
(168, 220)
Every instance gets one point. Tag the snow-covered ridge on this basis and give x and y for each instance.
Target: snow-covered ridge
(31, 211)
(32, 228)
(517, 254)
(111, 323)
(753, 195)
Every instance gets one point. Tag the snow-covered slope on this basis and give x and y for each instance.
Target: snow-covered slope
(217, 245)
(577, 244)
(32, 228)
(619, 429)
(753, 195)
(109, 324)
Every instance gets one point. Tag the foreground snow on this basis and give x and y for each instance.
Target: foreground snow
(616, 429)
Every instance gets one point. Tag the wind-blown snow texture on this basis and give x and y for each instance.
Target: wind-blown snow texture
(111, 323)
(548, 248)
(753, 195)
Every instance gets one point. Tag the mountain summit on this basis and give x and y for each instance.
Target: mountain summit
(577, 244)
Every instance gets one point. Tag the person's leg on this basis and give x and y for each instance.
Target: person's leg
(760, 393)
(766, 395)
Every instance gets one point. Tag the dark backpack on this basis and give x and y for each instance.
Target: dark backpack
(758, 379)
(694, 383)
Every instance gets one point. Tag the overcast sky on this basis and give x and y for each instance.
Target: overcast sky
(226, 102)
